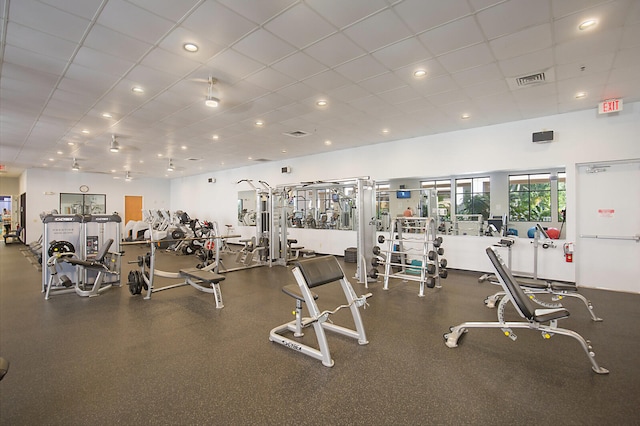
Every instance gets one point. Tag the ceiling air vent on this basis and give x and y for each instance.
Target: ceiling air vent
(531, 79)
(194, 159)
(261, 160)
(297, 134)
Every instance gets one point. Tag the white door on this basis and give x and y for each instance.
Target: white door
(608, 248)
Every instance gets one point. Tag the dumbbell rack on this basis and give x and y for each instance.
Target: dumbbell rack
(429, 268)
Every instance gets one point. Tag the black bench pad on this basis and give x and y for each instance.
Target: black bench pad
(199, 274)
(294, 291)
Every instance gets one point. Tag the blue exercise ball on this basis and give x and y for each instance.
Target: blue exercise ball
(531, 232)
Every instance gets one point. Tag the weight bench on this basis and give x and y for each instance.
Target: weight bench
(525, 308)
(195, 277)
(532, 287)
(312, 273)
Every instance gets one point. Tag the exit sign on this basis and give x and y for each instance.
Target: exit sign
(608, 106)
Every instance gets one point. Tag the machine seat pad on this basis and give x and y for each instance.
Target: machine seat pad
(544, 315)
(199, 274)
(534, 284)
(320, 270)
(89, 264)
(294, 291)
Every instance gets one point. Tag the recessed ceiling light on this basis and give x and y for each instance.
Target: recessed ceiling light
(215, 137)
(284, 151)
(321, 103)
(419, 73)
(85, 131)
(107, 115)
(385, 131)
(259, 123)
(327, 142)
(581, 95)
(59, 152)
(50, 159)
(70, 143)
(465, 116)
(183, 147)
(587, 24)
(249, 158)
(190, 47)
(159, 155)
(137, 89)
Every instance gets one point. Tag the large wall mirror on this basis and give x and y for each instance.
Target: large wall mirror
(247, 205)
(489, 204)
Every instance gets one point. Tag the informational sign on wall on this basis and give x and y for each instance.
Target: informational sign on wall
(606, 212)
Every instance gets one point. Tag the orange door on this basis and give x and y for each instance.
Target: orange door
(132, 208)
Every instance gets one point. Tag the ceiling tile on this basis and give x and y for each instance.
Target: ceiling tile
(383, 83)
(38, 42)
(83, 8)
(527, 64)
(342, 13)
(219, 23)
(452, 36)
(478, 75)
(325, 81)
(521, 13)
(14, 55)
(231, 66)
(368, 33)
(168, 9)
(422, 15)
(116, 44)
(403, 53)
(263, 46)
(610, 16)
(174, 42)
(361, 68)
(167, 62)
(469, 57)
(270, 79)
(133, 21)
(97, 60)
(299, 66)
(334, 50)
(522, 42)
(582, 49)
(259, 12)
(300, 26)
(47, 19)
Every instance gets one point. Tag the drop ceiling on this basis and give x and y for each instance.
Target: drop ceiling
(69, 66)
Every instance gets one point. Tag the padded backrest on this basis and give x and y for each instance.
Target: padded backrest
(320, 270)
(520, 299)
(104, 250)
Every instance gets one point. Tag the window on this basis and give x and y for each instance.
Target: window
(443, 191)
(530, 197)
(473, 196)
(562, 195)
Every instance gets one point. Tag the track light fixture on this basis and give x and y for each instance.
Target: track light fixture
(211, 101)
(170, 168)
(75, 166)
(115, 146)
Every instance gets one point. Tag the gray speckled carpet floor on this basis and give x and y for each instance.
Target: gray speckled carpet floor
(175, 359)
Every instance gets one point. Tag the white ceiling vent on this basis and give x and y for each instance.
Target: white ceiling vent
(297, 134)
(530, 80)
(261, 160)
(194, 159)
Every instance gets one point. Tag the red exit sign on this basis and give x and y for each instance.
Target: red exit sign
(608, 106)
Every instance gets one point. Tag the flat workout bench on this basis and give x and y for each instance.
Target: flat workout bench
(311, 273)
(525, 308)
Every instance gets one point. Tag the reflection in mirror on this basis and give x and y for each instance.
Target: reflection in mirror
(321, 207)
(247, 208)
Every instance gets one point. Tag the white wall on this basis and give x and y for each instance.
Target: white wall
(43, 188)
(579, 137)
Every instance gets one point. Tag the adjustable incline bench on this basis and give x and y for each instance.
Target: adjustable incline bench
(311, 273)
(525, 308)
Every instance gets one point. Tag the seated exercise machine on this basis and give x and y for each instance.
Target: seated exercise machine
(312, 273)
(536, 286)
(534, 318)
(103, 263)
(201, 279)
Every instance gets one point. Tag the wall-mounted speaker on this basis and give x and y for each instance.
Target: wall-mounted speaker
(542, 137)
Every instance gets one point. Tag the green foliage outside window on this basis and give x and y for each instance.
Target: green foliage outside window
(530, 198)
